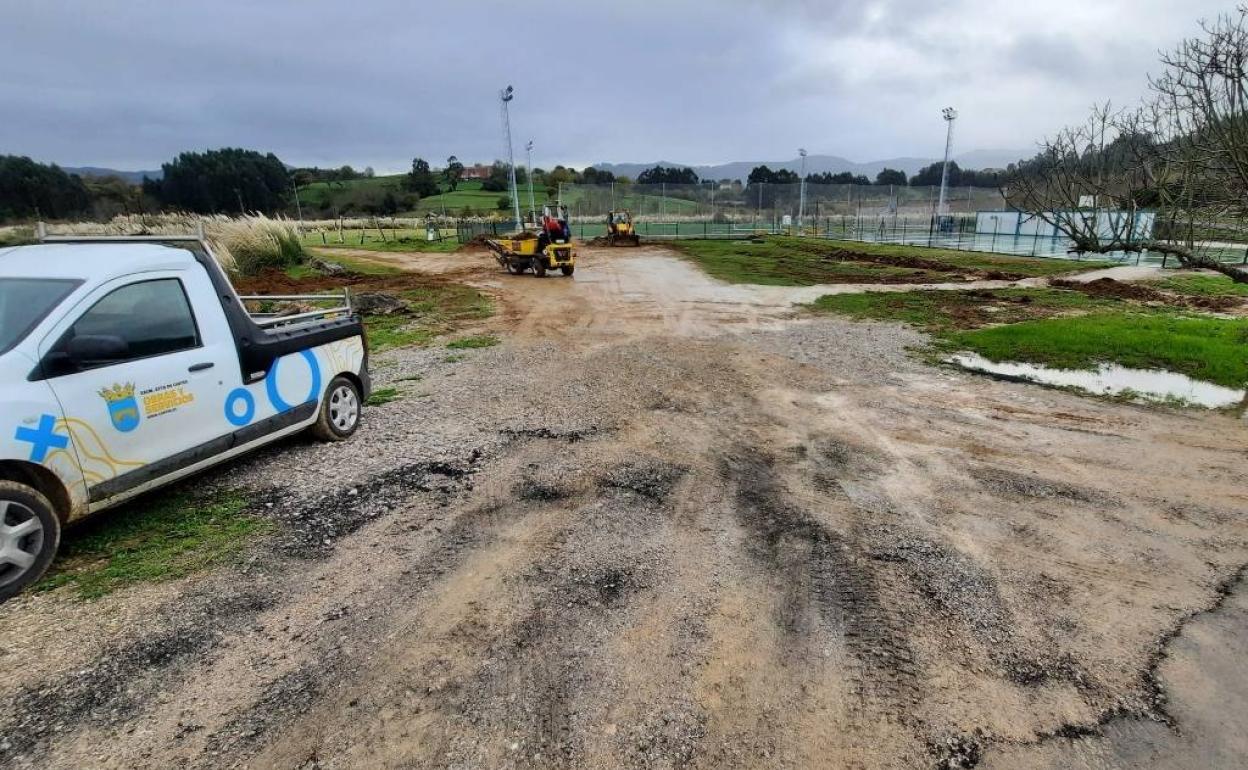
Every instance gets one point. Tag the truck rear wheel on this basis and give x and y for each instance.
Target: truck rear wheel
(30, 533)
(340, 411)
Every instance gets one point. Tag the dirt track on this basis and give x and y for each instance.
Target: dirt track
(686, 526)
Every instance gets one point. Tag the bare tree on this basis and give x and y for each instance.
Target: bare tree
(1183, 155)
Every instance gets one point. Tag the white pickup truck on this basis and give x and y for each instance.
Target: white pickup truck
(128, 363)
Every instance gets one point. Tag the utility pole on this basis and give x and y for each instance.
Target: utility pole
(950, 115)
(506, 95)
(528, 149)
(801, 206)
(298, 206)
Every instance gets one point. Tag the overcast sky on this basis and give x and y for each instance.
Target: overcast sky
(130, 83)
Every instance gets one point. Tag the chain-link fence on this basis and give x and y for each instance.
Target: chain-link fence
(755, 206)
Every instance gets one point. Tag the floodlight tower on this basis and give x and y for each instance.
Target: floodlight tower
(950, 115)
(528, 159)
(801, 206)
(506, 95)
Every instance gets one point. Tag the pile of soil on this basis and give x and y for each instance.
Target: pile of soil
(1108, 288)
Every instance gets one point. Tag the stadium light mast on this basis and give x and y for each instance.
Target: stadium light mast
(950, 115)
(506, 95)
(801, 206)
(528, 159)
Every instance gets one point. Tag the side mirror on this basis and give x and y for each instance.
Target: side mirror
(95, 349)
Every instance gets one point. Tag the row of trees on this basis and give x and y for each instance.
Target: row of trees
(1182, 154)
(928, 175)
(29, 189)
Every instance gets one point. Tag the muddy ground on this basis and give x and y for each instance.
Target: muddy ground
(674, 523)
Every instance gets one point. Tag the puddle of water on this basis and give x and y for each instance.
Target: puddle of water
(1111, 379)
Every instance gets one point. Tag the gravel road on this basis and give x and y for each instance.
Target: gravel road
(674, 523)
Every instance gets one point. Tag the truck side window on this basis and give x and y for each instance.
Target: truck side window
(152, 317)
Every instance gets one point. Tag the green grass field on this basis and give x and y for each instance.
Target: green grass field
(788, 261)
(1065, 329)
(154, 539)
(1210, 349)
(469, 195)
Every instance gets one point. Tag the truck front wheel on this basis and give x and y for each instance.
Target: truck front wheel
(30, 533)
(340, 411)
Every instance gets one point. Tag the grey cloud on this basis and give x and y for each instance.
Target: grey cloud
(376, 82)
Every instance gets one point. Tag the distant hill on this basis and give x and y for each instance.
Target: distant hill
(818, 164)
(134, 177)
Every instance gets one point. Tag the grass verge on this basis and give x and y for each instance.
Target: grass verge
(1210, 349)
(1065, 329)
(155, 539)
(787, 261)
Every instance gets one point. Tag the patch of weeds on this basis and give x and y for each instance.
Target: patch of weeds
(383, 396)
(152, 540)
(411, 378)
(395, 331)
(454, 359)
(470, 343)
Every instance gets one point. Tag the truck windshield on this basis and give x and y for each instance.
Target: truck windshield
(24, 302)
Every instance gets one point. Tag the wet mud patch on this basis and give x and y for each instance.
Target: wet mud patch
(311, 527)
(541, 485)
(649, 478)
(123, 678)
(570, 436)
(950, 580)
(962, 591)
(833, 459)
(1010, 483)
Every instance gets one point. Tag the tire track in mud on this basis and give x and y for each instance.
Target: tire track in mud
(829, 581)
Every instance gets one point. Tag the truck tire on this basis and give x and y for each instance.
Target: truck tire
(340, 411)
(567, 269)
(30, 533)
(539, 268)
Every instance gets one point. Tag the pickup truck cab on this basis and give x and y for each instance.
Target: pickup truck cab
(129, 363)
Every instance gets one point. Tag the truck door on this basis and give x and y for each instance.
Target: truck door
(140, 369)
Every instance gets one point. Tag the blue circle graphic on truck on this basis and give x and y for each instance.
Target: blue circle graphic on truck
(270, 383)
(231, 407)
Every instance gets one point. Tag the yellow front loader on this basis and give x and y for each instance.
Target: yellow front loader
(620, 229)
